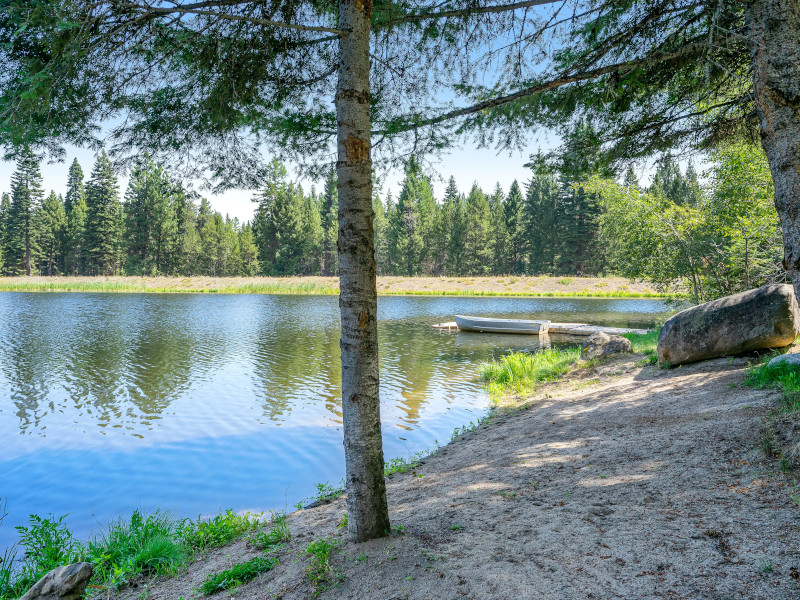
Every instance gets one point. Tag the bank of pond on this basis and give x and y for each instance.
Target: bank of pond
(196, 403)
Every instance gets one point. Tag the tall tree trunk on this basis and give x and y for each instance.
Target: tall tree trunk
(367, 509)
(774, 32)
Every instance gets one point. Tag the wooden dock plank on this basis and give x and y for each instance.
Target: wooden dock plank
(578, 329)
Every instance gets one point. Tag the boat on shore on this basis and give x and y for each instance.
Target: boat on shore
(490, 325)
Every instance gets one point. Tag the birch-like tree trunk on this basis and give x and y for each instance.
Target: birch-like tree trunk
(367, 509)
(774, 31)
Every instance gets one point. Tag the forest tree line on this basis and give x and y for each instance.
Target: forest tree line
(573, 216)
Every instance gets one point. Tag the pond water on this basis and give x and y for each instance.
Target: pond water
(198, 403)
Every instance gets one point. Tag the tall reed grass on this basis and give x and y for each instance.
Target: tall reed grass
(521, 372)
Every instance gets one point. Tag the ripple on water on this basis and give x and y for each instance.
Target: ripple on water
(199, 402)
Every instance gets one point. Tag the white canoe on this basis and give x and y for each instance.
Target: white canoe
(489, 325)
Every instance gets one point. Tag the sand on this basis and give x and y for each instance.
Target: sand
(618, 482)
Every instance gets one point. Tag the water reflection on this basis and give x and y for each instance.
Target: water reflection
(199, 402)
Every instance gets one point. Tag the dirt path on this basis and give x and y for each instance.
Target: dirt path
(618, 483)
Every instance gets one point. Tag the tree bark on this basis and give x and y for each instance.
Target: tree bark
(774, 36)
(367, 508)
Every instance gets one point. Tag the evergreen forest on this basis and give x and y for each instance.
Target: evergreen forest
(571, 215)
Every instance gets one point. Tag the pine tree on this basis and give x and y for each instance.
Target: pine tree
(512, 216)
(631, 181)
(75, 232)
(579, 211)
(53, 221)
(313, 236)
(540, 218)
(5, 211)
(498, 234)
(330, 225)
(477, 252)
(150, 218)
(186, 245)
(22, 229)
(410, 239)
(248, 251)
(380, 225)
(456, 258)
(103, 219)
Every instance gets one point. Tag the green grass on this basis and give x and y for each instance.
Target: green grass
(782, 376)
(238, 574)
(138, 287)
(277, 535)
(142, 545)
(786, 378)
(217, 531)
(319, 568)
(521, 372)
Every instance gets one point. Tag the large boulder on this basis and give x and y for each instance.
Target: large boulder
(64, 583)
(767, 317)
(602, 344)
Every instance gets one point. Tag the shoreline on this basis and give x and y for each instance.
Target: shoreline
(619, 478)
(509, 286)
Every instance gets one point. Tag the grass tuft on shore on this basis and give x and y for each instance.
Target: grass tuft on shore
(521, 372)
(143, 545)
(780, 439)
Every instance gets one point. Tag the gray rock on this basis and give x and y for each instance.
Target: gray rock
(790, 359)
(64, 583)
(767, 317)
(603, 344)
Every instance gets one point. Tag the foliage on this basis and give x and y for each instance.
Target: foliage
(278, 534)
(203, 535)
(727, 242)
(784, 376)
(144, 544)
(237, 574)
(319, 568)
(520, 372)
(47, 543)
(644, 343)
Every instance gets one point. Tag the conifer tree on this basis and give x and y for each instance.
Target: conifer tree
(410, 240)
(579, 211)
(330, 224)
(512, 216)
(456, 258)
(631, 181)
(477, 251)
(540, 219)
(499, 236)
(5, 210)
(53, 221)
(187, 239)
(313, 236)
(103, 219)
(75, 232)
(22, 230)
(248, 251)
(150, 218)
(380, 226)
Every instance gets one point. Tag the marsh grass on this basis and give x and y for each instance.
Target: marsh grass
(202, 535)
(521, 372)
(179, 285)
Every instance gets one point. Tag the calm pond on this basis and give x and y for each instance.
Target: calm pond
(197, 403)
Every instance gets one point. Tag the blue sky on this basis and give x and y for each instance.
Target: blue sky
(467, 165)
